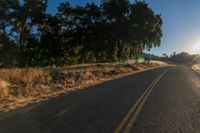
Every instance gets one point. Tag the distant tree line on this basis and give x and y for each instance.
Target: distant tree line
(185, 58)
(149, 57)
(115, 30)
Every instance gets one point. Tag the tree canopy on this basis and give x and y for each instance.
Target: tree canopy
(115, 30)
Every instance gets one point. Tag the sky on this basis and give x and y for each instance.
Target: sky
(181, 23)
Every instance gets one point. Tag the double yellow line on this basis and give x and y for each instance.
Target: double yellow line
(129, 120)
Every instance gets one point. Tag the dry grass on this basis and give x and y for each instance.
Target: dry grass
(4, 86)
(155, 62)
(196, 67)
(19, 87)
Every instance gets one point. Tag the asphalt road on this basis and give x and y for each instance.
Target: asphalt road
(162, 100)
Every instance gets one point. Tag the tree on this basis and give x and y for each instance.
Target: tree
(145, 26)
(134, 25)
(165, 56)
(184, 58)
(116, 30)
(29, 15)
(8, 49)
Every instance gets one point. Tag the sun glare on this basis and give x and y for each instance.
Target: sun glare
(196, 48)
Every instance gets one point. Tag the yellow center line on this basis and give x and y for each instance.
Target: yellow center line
(129, 120)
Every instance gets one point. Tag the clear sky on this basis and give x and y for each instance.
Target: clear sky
(181, 28)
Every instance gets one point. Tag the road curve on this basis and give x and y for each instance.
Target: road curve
(171, 106)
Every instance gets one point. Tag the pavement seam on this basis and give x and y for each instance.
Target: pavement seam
(129, 120)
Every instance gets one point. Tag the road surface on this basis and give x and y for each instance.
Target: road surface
(161, 100)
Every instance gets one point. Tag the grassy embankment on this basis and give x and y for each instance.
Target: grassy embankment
(196, 67)
(19, 87)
